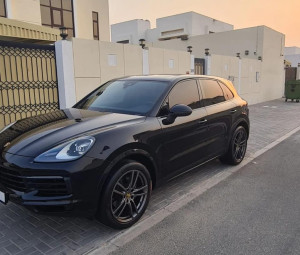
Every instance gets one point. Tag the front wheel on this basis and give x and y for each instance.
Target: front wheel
(126, 196)
(237, 148)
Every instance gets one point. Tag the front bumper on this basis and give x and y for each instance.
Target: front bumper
(52, 188)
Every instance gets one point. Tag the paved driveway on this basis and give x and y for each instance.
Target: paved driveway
(23, 232)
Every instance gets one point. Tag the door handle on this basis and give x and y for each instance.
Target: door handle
(202, 121)
(232, 111)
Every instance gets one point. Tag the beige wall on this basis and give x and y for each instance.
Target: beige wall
(92, 67)
(83, 18)
(109, 72)
(29, 11)
(97, 62)
(24, 10)
(224, 43)
(164, 61)
(156, 61)
(134, 59)
(249, 79)
(273, 64)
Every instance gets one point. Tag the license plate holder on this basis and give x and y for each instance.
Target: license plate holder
(3, 197)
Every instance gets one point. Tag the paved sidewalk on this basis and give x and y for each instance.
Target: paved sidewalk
(22, 232)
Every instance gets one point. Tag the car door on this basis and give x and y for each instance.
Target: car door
(220, 113)
(184, 140)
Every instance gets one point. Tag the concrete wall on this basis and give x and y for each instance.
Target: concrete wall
(223, 43)
(29, 11)
(252, 82)
(163, 61)
(96, 62)
(273, 72)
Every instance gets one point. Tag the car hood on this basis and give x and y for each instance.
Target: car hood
(32, 136)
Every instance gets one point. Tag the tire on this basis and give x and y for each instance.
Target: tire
(126, 196)
(237, 147)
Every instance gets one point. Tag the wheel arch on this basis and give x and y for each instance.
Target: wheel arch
(241, 122)
(134, 151)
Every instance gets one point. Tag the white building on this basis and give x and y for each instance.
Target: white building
(261, 44)
(32, 19)
(181, 26)
(292, 54)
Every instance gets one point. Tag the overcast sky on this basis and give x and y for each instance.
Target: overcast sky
(281, 15)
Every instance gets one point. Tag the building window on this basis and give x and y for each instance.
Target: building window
(58, 13)
(2, 8)
(124, 41)
(95, 26)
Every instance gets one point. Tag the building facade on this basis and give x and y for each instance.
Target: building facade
(23, 20)
(180, 26)
(292, 54)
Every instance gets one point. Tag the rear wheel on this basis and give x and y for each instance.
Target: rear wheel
(237, 148)
(126, 196)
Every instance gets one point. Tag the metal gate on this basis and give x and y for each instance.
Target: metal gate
(199, 66)
(28, 81)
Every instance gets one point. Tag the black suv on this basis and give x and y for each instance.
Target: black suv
(104, 156)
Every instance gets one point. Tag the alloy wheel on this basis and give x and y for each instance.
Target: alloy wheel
(240, 145)
(129, 196)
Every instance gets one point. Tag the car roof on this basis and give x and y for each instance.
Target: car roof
(167, 77)
(171, 79)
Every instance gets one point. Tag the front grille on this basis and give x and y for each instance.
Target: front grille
(12, 179)
(45, 185)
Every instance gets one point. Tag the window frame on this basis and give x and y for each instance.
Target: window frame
(95, 22)
(222, 83)
(62, 9)
(165, 102)
(203, 92)
(5, 10)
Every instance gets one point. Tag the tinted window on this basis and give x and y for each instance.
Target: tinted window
(227, 92)
(212, 92)
(185, 92)
(132, 97)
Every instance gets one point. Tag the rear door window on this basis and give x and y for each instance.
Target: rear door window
(227, 92)
(212, 93)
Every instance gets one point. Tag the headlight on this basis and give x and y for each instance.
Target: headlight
(7, 127)
(68, 151)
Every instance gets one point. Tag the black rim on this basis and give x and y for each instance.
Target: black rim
(240, 145)
(129, 196)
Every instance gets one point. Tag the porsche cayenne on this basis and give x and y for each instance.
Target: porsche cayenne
(103, 156)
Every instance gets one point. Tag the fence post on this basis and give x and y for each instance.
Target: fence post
(240, 75)
(192, 64)
(65, 73)
(145, 62)
(207, 65)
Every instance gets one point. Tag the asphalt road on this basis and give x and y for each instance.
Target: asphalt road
(255, 211)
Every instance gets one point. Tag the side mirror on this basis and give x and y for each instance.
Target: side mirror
(178, 110)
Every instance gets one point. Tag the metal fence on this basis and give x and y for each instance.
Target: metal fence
(28, 81)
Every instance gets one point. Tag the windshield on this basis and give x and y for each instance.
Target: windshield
(125, 96)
